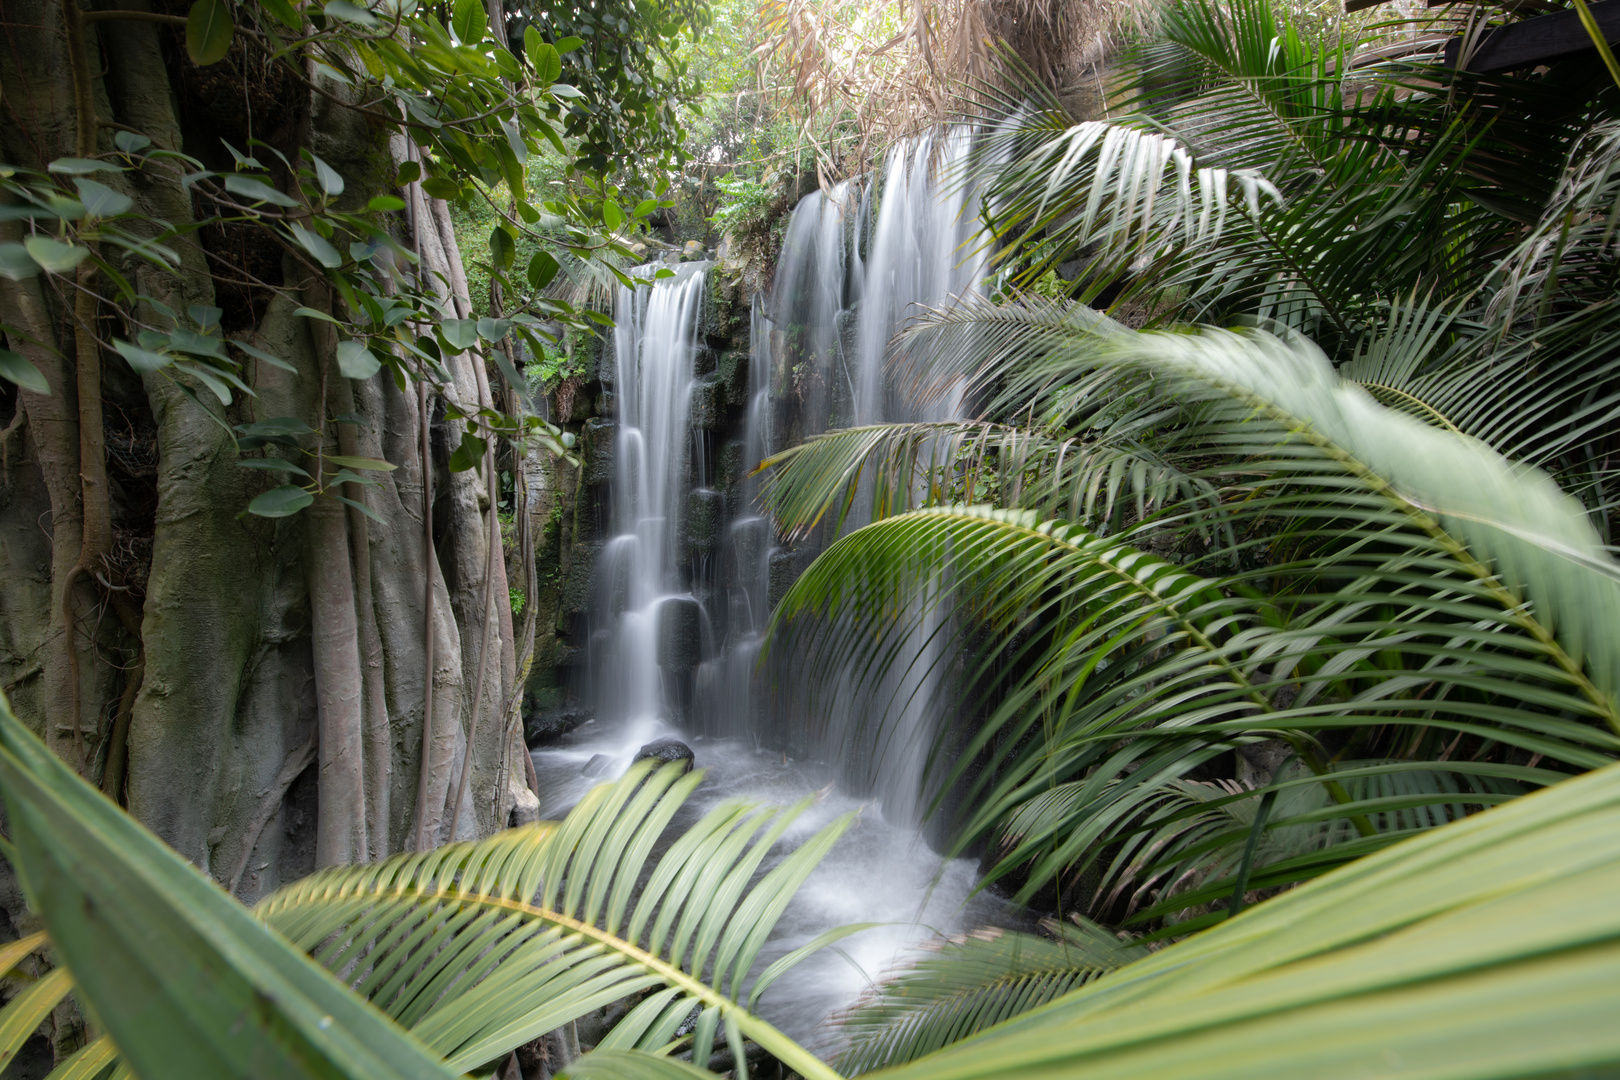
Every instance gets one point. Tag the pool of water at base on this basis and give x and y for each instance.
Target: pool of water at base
(877, 872)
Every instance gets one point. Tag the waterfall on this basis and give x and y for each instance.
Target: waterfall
(678, 625)
(853, 272)
(653, 637)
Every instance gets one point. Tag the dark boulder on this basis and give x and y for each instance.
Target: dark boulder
(597, 766)
(546, 727)
(667, 750)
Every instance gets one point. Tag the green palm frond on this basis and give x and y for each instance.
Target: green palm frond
(1108, 475)
(960, 986)
(181, 976)
(477, 948)
(1422, 590)
(1486, 948)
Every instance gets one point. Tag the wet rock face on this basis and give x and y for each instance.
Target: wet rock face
(785, 568)
(708, 402)
(705, 515)
(667, 750)
(547, 727)
(680, 634)
(597, 766)
(600, 434)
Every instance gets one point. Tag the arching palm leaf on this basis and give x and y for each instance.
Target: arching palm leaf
(960, 986)
(1405, 555)
(480, 947)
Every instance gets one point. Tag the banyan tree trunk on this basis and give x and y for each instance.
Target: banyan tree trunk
(266, 688)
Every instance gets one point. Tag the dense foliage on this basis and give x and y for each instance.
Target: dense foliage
(1248, 603)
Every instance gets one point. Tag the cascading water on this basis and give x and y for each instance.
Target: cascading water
(850, 278)
(678, 632)
(654, 624)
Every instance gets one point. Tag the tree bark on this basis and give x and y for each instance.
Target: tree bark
(341, 838)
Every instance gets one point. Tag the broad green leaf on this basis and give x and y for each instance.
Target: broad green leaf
(268, 358)
(409, 172)
(564, 90)
(15, 262)
(273, 464)
(311, 313)
(612, 215)
(318, 246)
(493, 329)
(209, 32)
(277, 426)
(256, 190)
(442, 187)
(74, 166)
(284, 13)
(101, 200)
(645, 207)
(131, 142)
(362, 463)
(141, 359)
(20, 371)
(544, 58)
(283, 501)
(460, 334)
(205, 315)
(543, 268)
(468, 454)
(356, 361)
(385, 203)
(183, 978)
(330, 180)
(468, 19)
(216, 381)
(569, 44)
(353, 13)
(53, 255)
(501, 249)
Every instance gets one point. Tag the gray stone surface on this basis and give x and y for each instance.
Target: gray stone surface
(601, 436)
(786, 566)
(733, 368)
(666, 751)
(708, 403)
(680, 634)
(578, 586)
(705, 514)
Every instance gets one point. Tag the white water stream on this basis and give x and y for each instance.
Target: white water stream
(859, 261)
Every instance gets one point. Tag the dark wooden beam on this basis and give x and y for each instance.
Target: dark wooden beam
(1540, 40)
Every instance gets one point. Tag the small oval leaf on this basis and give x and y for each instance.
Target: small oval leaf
(542, 268)
(356, 361)
(209, 32)
(24, 374)
(54, 255)
(362, 463)
(283, 501)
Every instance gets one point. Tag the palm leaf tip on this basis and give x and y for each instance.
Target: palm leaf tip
(959, 986)
(1509, 521)
(480, 947)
